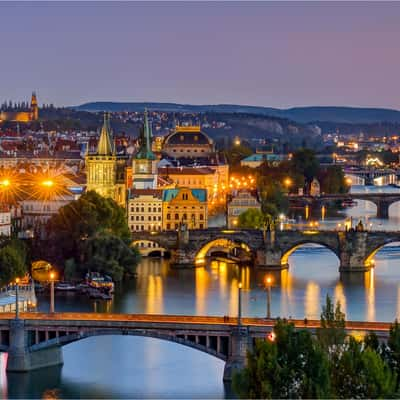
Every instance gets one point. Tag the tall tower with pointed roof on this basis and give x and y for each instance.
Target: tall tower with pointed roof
(34, 107)
(144, 165)
(102, 167)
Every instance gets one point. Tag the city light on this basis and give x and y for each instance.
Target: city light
(48, 183)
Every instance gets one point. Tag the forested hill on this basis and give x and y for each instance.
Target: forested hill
(354, 115)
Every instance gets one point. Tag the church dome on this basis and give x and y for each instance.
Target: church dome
(188, 136)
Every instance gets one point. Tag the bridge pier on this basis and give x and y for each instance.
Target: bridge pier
(240, 344)
(271, 259)
(353, 252)
(21, 358)
(382, 209)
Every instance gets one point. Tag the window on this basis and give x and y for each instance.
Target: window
(159, 209)
(159, 217)
(184, 217)
(132, 218)
(142, 218)
(201, 217)
(201, 226)
(142, 227)
(176, 226)
(168, 226)
(132, 209)
(149, 218)
(149, 209)
(137, 209)
(154, 209)
(168, 216)
(184, 196)
(142, 209)
(137, 217)
(176, 216)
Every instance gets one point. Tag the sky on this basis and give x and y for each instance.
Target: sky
(275, 54)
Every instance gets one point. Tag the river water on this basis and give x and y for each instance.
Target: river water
(134, 367)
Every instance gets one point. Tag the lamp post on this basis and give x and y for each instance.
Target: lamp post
(16, 299)
(240, 303)
(52, 276)
(268, 282)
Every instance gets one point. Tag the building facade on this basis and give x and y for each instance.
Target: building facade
(144, 165)
(18, 115)
(240, 202)
(145, 210)
(184, 206)
(5, 220)
(105, 170)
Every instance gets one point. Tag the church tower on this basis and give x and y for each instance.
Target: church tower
(144, 165)
(102, 173)
(34, 108)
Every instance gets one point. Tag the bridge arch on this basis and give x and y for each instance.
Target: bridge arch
(287, 252)
(224, 244)
(199, 342)
(150, 248)
(369, 261)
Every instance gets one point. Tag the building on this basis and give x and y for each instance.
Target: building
(184, 206)
(145, 210)
(5, 220)
(16, 114)
(188, 141)
(315, 189)
(240, 202)
(105, 170)
(256, 159)
(194, 178)
(144, 165)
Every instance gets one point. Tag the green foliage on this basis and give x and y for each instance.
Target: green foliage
(306, 163)
(332, 332)
(80, 230)
(236, 153)
(273, 199)
(12, 262)
(332, 180)
(292, 367)
(392, 351)
(252, 219)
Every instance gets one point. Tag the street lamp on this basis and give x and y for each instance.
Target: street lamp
(268, 282)
(16, 299)
(52, 276)
(240, 303)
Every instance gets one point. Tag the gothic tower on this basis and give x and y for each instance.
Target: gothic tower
(34, 107)
(144, 165)
(102, 167)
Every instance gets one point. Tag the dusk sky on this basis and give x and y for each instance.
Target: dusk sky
(270, 54)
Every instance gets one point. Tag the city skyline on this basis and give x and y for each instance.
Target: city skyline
(265, 54)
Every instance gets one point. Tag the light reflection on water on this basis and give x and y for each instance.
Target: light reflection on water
(134, 367)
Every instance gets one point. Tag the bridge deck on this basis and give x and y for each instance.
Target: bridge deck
(199, 321)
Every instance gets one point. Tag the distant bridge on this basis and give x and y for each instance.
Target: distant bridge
(36, 340)
(382, 200)
(271, 249)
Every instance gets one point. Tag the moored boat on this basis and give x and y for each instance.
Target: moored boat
(65, 287)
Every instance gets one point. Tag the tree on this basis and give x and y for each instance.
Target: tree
(332, 180)
(294, 366)
(305, 162)
(12, 262)
(332, 332)
(89, 223)
(252, 218)
(392, 350)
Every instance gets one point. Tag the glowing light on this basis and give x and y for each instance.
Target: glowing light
(5, 182)
(48, 183)
(240, 285)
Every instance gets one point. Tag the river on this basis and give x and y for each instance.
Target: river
(134, 367)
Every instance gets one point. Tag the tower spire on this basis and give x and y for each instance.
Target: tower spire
(145, 151)
(105, 146)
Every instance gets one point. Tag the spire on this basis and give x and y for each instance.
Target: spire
(145, 152)
(105, 146)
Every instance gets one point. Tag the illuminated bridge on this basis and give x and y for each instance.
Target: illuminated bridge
(35, 340)
(382, 200)
(271, 249)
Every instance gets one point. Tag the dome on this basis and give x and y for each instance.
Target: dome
(187, 137)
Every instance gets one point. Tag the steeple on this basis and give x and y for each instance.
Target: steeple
(145, 152)
(105, 146)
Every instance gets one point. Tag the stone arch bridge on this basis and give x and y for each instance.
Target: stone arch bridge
(271, 249)
(382, 200)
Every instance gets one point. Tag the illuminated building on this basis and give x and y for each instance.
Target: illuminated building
(105, 170)
(145, 209)
(188, 141)
(184, 206)
(194, 178)
(5, 220)
(144, 165)
(242, 201)
(255, 160)
(17, 115)
(315, 189)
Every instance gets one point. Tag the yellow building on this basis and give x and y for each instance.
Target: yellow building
(105, 171)
(16, 115)
(194, 178)
(184, 206)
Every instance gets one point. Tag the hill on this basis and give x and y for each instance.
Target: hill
(352, 115)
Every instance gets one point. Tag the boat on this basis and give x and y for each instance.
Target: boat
(98, 281)
(65, 287)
